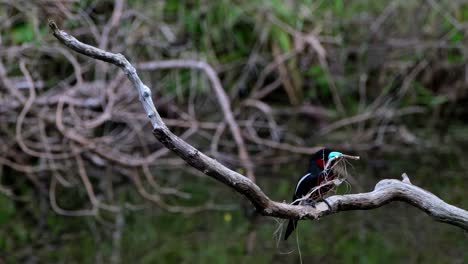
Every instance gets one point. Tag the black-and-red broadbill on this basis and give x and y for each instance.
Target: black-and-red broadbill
(315, 176)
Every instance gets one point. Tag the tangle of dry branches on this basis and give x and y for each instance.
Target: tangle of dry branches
(385, 191)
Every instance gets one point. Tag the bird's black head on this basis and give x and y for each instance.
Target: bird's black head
(320, 158)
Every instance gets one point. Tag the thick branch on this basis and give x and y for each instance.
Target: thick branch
(385, 191)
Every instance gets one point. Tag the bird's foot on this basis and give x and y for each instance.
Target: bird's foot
(328, 204)
(309, 203)
(313, 203)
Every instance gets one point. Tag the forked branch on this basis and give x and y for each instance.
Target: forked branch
(385, 191)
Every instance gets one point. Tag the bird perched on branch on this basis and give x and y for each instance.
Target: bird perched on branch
(316, 182)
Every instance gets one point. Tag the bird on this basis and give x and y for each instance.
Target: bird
(317, 173)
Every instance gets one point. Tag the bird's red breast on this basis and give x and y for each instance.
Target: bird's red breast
(320, 163)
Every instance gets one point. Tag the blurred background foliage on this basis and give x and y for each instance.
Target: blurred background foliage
(386, 80)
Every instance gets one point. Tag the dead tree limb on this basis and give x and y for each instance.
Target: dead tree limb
(385, 191)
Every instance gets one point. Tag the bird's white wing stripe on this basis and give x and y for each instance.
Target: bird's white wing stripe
(299, 182)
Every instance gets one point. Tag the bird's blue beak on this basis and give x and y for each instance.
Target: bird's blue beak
(334, 154)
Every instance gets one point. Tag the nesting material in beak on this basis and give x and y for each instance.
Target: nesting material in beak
(338, 166)
(335, 157)
(350, 157)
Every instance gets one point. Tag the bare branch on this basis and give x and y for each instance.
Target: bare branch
(385, 191)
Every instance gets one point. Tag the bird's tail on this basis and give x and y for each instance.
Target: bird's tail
(291, 226)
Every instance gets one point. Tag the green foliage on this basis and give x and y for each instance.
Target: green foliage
(319, 78)
(282, 38)
(7, 209)
(22, 33)
(426, 97)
